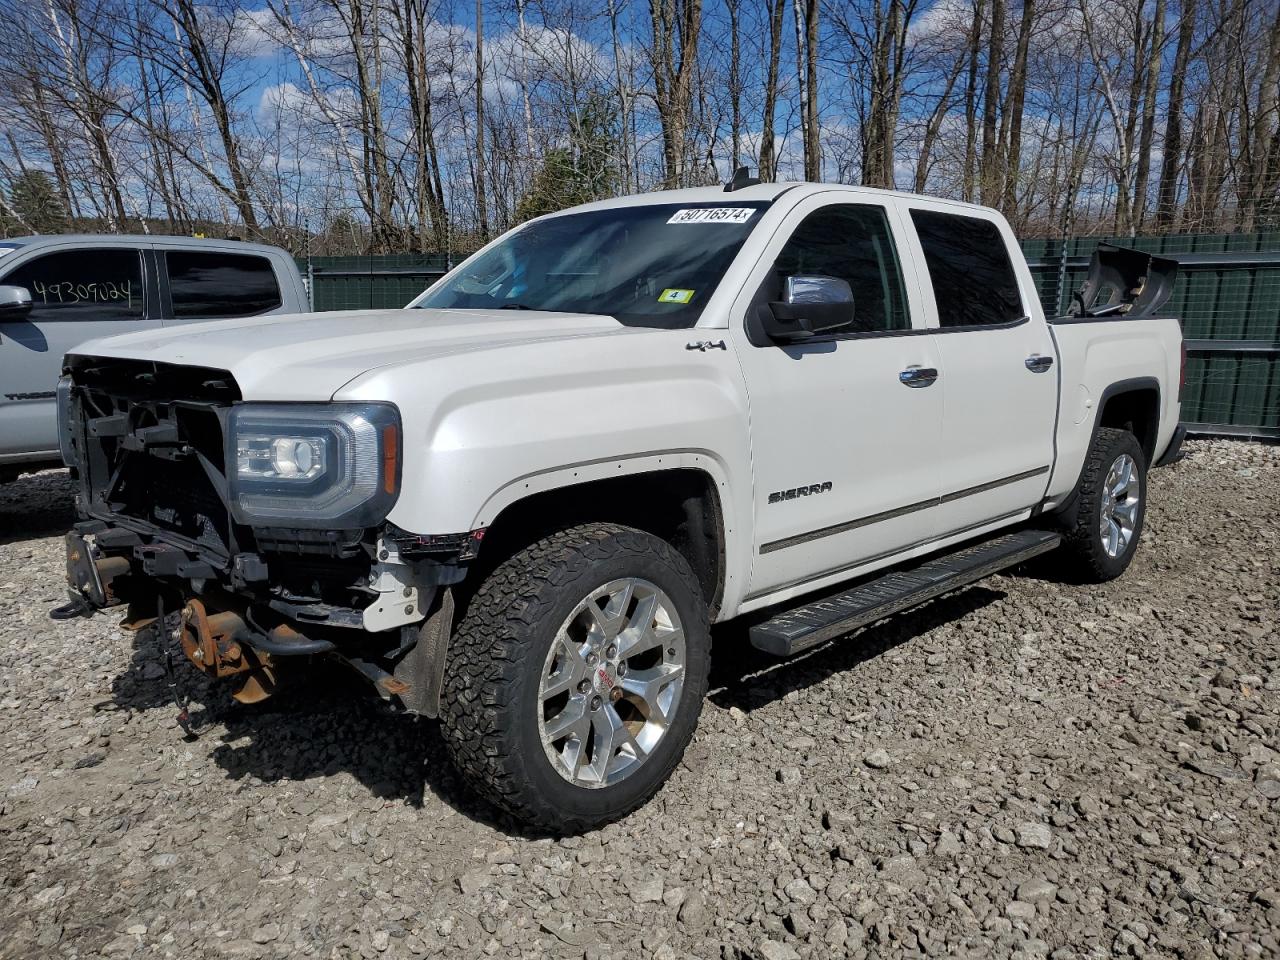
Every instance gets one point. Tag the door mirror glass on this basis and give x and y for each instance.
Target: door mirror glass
(15, 302)
(810, 305)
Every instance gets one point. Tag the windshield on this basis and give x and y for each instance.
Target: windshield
(652, 265)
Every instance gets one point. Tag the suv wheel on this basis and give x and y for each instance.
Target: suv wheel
(1111, 504)
(575, 679)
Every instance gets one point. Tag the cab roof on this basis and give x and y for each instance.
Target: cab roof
(766, 192)
(136, 240)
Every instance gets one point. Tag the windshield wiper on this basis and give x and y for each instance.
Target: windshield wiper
(514, 306)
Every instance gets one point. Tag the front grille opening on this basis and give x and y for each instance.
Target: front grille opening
(175, 495)
(147, 380)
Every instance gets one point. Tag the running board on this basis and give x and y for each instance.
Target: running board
(803, 627)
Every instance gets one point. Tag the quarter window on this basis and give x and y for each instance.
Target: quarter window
(83, 284)
(852, 243)
(212, 285)
(968, 260)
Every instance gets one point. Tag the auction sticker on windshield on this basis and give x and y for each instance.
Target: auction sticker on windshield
(673, 295)
(712, 215)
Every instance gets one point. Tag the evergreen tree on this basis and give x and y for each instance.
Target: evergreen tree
(34, 198)
(583, 170)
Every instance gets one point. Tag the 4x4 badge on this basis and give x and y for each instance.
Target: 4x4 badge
(705, 345)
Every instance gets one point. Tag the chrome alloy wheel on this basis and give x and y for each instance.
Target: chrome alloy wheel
(1121, 495)
(611, 683)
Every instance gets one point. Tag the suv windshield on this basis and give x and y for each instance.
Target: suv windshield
(651, 266)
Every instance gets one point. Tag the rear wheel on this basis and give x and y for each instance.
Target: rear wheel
(576, 678)
(1111, 504)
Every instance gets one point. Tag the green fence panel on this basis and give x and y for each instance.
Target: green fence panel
(1230, 389)
(370, 282)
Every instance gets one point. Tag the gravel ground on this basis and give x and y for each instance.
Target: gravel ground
(1022, 768)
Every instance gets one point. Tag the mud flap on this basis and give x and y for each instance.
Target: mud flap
(422, 668)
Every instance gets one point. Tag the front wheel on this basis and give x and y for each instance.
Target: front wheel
(575, 680)
(1111, 505)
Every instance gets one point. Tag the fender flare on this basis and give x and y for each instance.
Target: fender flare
(586, 472)
(1067, 508)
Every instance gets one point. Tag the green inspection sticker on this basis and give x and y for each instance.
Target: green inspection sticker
(671, 295)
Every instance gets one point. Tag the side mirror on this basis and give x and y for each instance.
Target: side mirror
(15, 302)
(811, 305)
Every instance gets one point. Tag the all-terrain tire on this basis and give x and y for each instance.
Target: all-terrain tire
(1084, 557)
(490, 708)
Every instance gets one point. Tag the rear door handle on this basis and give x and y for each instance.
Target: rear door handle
(1037, 363)
(918, 376)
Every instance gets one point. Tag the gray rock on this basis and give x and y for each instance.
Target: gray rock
(948, 844)
(799, 891)
(473, 881)
(1036, 889)
(1019, 910)
(693, 912)
(877, 759)
(1267, 781)
(775, 950)
(1035, 836)
(648, 890)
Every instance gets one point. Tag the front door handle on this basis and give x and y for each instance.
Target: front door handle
(918, 376)
(1037, 363)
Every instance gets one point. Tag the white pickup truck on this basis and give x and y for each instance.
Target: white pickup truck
(520, 504)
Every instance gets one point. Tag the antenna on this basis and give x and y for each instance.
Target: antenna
(741, 178)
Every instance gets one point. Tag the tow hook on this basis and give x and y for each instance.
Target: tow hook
(217, 644)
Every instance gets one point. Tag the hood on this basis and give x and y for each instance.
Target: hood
(310, 356)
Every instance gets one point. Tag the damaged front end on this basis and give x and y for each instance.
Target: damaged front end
(263, 525)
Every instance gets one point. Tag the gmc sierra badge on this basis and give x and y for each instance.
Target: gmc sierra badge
(794, 492)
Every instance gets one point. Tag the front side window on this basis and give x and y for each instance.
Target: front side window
(82, 284)
(652, 265)
(851, 242)
(973, 280)
(214, 285)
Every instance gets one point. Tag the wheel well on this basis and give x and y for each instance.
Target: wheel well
(1137, 411)
(681, 507)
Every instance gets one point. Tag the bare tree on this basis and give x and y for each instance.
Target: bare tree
(674, 54)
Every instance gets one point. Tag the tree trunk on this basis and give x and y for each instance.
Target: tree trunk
(1171, 162)
(680, 20)
(482, 213)
(624, 94)
(735, 85)
(969, 189)
(988, 165)
(934, 126)
(1146, 135)
(209, 83)
(768, 157)
(1013, 111)
(812, 130)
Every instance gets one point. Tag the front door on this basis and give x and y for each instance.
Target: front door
(77, 295)
(842, 447)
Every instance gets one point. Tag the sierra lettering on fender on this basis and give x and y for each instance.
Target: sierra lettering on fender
(809, 491)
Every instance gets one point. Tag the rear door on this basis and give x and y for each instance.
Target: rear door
(841, 443)
(214, 284)
(997, 370)
(78, 293)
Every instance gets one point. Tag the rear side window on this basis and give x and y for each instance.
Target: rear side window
(850, 242)
(973, 279)
(212, 285)
(83, 284)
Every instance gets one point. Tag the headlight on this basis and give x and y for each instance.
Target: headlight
(65, 445)
(313, 465)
